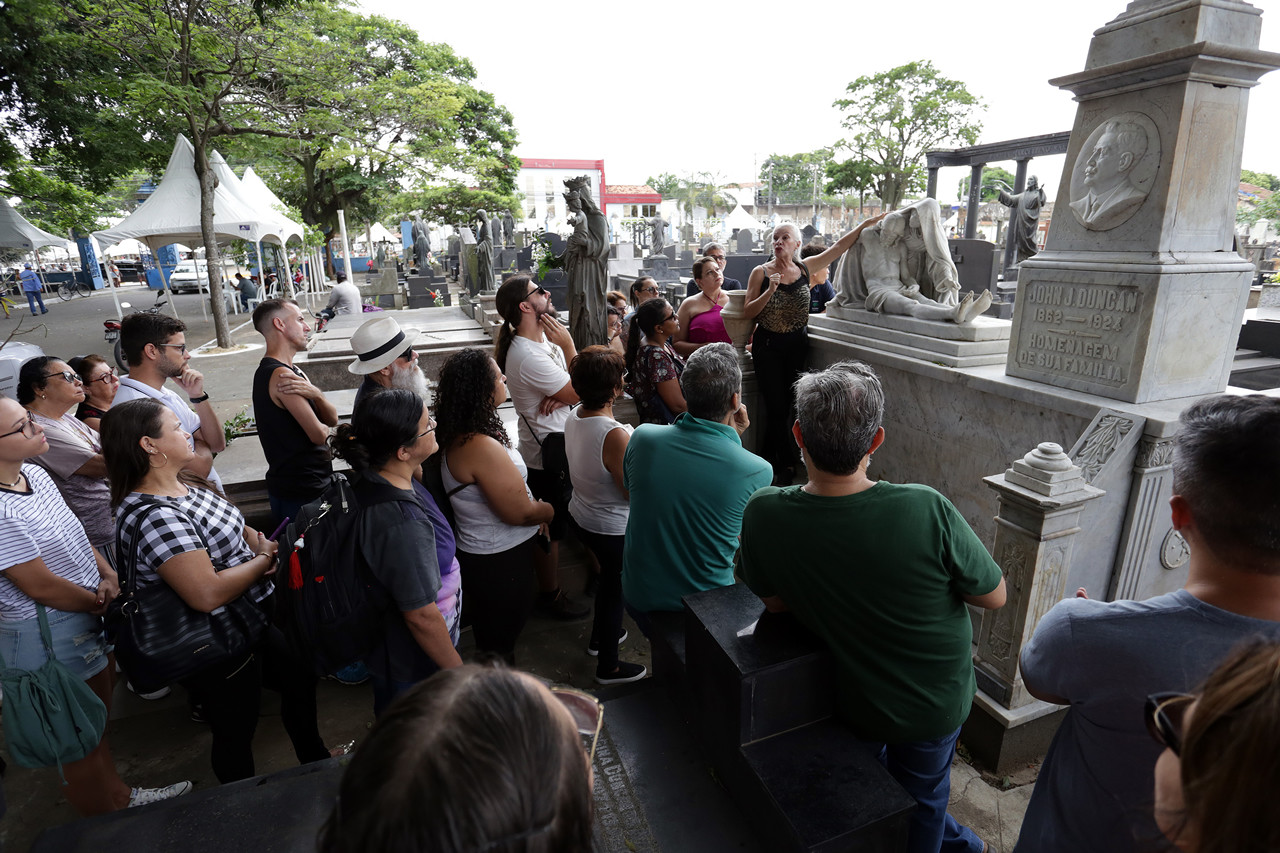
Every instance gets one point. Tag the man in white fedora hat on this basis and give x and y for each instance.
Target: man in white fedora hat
(385, 357)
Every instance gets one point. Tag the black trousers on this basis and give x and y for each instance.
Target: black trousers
(608, 621)
(498, 593)
(779, 360)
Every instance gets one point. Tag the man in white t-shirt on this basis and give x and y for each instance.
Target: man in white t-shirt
(155, 345)
(344, 298)
(534, 351)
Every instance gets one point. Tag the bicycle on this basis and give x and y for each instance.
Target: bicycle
(68, 289)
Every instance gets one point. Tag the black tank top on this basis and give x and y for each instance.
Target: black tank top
(296, 468)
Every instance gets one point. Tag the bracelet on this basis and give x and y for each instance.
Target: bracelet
(195, 401)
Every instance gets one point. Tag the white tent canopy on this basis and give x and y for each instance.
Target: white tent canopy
(273, 225)
(379, 234)
(172, 213)
(17, 233)
(739, 218)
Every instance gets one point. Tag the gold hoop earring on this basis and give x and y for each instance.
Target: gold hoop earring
(162, 464)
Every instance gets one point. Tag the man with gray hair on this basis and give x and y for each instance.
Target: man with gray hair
(689, 483)
(716, 251)
(881, 572)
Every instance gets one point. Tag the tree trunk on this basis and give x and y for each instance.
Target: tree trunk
(213, 263)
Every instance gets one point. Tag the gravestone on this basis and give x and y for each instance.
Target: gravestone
(1138, 295)
(807, 233)
(670, 252)
(622, 250)
(467, 262)
(524, 259)
(657, 267)
(746, 244)
(978, 265)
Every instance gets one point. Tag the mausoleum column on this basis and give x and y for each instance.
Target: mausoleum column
(1041, 497)
(975, 193)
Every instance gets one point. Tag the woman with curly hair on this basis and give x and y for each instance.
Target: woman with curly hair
(496, 516)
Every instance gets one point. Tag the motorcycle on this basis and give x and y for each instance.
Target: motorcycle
(111, 331)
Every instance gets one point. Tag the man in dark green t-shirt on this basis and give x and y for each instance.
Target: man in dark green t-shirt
(882, 573)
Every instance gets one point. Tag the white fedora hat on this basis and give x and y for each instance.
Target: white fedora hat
(377, 343)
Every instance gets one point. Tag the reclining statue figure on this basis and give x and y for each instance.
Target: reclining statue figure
(902, 266)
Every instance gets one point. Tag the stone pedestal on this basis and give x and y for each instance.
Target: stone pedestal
(1041, 498)
(982, 341)
(1138, 296)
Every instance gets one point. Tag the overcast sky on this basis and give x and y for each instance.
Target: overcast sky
(689, 86)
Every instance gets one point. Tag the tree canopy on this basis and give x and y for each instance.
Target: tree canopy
(795, 178)
(1266, 180)
(992, 176)
(666, 185)
(895, 116)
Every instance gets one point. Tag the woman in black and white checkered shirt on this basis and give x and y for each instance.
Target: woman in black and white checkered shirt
(196, 541)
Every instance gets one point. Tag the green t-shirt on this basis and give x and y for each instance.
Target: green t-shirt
(689, 483)
(878, 575)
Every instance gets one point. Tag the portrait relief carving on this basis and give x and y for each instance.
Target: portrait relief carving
(1114, 171)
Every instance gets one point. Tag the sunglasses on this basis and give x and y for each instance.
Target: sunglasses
(1164, 713)
(587, 712)
(28, 427)
(648, 290)
(539, 290)
(179, 347)
(407, 355)
(70, 377)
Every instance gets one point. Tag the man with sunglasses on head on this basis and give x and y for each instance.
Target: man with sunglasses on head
(534, 350)
(155, 346)
(1104, 659)
(385, 357)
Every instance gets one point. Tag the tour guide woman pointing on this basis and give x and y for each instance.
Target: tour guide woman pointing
(778, 300)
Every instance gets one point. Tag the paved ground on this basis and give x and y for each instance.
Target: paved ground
(156, 743)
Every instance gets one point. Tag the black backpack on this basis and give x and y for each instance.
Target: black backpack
(330, 607)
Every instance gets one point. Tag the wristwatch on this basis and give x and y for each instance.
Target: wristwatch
(195, 401)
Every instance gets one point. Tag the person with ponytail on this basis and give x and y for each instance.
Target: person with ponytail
(406, 542)
(653, 364)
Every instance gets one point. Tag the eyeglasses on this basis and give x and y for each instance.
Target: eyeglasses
(587, 712)
(106, 378)
(28, 427)
(535, 292)
(70, 377)
(648, 290)
(180, 347)
(407, 355)
(1164, 713)
(719, 258)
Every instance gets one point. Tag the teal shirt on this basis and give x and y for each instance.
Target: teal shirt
(689, 484)
(879, 577)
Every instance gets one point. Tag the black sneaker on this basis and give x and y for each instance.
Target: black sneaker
(558, 606)
(624, 674)
(594, 650)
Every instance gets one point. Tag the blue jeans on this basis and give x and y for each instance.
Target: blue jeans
(923, 768)
(33, 296)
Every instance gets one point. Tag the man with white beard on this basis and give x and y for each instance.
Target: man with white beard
(385, 358)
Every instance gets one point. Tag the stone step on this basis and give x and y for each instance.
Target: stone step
(817, 788)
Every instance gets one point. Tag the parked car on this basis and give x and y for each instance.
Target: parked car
(190, 276)
(12, 356)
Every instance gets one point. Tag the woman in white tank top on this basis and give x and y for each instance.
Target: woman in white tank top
(497, 518)
(596, 443)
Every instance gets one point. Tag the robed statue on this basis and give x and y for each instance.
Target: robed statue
(484, 252)
(586, 263)
(1024, 216)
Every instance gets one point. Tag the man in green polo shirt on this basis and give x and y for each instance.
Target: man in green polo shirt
(689, 483)
(882, 573)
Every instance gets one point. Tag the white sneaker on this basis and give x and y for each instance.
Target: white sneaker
(156, 694)
(147, 796)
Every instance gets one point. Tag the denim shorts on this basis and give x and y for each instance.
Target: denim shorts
(78, 643)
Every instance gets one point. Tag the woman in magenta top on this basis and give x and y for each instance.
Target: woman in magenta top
(700, 321)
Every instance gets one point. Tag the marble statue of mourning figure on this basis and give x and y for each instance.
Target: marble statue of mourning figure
(902, 266)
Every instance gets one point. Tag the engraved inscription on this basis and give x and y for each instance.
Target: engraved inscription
(1079, 329)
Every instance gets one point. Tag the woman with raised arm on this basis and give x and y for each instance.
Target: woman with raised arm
(778, 300)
